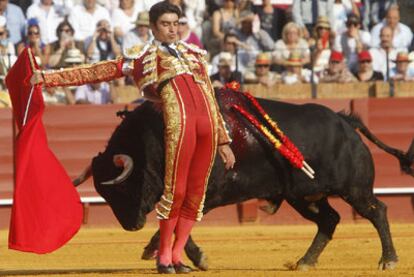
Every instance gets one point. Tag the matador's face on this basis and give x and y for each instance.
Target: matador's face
(166, 28)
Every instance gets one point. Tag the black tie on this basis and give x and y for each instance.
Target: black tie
(170, 50)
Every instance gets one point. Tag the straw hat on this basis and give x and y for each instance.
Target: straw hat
(323, 22)
(143, 19)
(295, 59)
(402, 57)
(74, 55)
(263, 59)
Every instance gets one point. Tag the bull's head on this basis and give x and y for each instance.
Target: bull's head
(129, 173)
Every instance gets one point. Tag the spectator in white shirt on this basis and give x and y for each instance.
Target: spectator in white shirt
(48, 18)
(97, 94)
(382, 57)
(123, 18)
(402, 34)
(353, 41)
(102, 45)
(84, 18)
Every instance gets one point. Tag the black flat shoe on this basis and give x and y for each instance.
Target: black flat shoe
(182, 268)
(165, 269)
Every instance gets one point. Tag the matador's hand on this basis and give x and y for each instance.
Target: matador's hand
(227, 156)
(36, 78)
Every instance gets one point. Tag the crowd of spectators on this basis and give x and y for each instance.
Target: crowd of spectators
(247, 41)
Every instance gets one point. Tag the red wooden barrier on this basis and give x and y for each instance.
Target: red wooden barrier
(77, 133)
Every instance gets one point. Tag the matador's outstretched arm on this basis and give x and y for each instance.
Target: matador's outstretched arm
(84, 74)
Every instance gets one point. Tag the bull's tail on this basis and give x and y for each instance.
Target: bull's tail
(406, 159)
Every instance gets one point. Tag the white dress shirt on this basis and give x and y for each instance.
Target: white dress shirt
(401, 39)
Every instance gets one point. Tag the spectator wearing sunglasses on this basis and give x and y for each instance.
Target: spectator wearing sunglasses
(66, 41)
(102, 45)
(48, 17)
(337, 71)
(353, 41)
(262, 74)
(365, 72)
(40, 50)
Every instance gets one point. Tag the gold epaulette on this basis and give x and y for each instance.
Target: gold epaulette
(137, 51)
(192, 47)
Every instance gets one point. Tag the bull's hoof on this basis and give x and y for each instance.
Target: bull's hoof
(149, 254)
(387, 265)
(299, 266)
(304, 267)
(202, 264)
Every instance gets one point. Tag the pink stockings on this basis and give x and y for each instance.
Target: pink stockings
(173, 254)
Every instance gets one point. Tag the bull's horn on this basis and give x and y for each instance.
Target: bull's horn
(125, 161)
(86, 173)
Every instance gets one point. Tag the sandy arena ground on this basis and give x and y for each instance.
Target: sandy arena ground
(253, 250)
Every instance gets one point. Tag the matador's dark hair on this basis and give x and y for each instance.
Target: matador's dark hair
(161, 8)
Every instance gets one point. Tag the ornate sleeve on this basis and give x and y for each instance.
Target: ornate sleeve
(84, 74)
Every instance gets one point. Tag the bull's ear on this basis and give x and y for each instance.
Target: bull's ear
(125, 161)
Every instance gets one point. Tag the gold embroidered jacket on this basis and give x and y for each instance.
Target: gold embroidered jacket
(151, 68)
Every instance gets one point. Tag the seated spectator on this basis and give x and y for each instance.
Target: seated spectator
(262, 74)
(138, 36)
(65, 42)
(123, 18)
(401, 33)
(365, 71)
(40, 50)
(374, 11)
(185, 33)
(57, 96)
(353, 41)
(341, 9)
(401, 71)
(225, 74)
(291, 41)
(294, 72)
(48, 17)
(321, 43)
(7, 52)
(16, 22)
(93, 94)
(337, 71)
(231, 45)
(102, 45)
(85, 16)
(382, 57)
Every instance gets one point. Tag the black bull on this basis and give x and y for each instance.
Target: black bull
(328, 141)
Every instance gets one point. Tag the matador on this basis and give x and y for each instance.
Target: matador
(174, 74)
